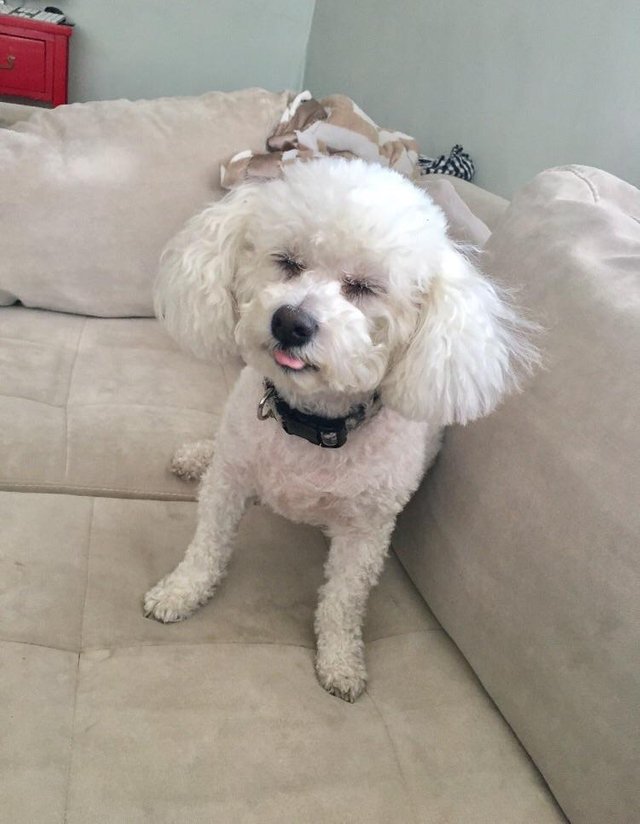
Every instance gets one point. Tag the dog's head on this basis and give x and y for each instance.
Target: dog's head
(339, 279)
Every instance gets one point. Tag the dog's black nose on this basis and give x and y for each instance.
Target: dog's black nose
(292, 326)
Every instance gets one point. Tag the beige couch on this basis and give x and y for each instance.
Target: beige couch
(523, 539)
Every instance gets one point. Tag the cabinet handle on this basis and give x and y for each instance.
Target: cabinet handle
(9, 64)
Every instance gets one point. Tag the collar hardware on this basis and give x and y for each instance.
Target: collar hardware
(265, 410)
(329, 433)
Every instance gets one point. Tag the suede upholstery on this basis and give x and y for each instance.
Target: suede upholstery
(108, 717)
(96, 406)
(524, 537)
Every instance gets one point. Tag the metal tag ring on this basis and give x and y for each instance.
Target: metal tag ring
(262, 414)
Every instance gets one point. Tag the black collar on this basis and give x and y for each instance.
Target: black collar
(330, 433)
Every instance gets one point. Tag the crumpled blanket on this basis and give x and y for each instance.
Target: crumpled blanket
(310, 128)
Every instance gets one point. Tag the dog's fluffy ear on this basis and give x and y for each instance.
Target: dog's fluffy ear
(193, 293)
(467, 351)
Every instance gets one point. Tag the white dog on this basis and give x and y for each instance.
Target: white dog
(365, 331)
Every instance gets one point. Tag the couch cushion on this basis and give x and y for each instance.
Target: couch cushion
(463, 225)
(108, 716)
(99, 405)
(91, 193)
(524, 538)
(487, 206)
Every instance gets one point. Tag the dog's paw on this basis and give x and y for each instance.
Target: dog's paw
(170, 601)
(192, 460)
(344, 676)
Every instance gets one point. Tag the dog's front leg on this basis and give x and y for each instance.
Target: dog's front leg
(222, 502)
(356, 558)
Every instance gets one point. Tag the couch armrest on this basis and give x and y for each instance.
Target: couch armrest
(524, 536)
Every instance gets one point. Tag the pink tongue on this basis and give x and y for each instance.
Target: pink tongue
(284, 359)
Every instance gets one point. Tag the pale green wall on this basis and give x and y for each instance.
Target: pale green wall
(522, 84)
(151, 48)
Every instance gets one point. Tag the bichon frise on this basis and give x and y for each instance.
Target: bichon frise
(365, 331)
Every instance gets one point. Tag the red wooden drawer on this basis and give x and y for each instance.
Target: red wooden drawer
(34, 60)
(22, 64)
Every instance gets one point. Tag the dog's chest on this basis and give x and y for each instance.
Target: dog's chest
(373, 470)
(303, 488)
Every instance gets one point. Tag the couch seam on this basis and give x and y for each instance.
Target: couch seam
(228, 642)
(403, 634)
(183, 645)
(31, 400)
(71, 742)
(70, 650)
(33, 342)
(66, 403)
(54, 488)
(396, 756)
(87, 569)
(207, 412)
(77, 687)
(588, 184)
(211, 643)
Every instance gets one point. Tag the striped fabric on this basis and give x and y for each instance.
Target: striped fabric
(458, 164)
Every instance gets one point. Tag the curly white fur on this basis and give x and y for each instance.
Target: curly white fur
(428, 331)
(190, 461)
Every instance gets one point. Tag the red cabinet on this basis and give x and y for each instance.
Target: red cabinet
(34, 60)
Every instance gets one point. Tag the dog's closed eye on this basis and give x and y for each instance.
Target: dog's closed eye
(289, 263)
(358, 287)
